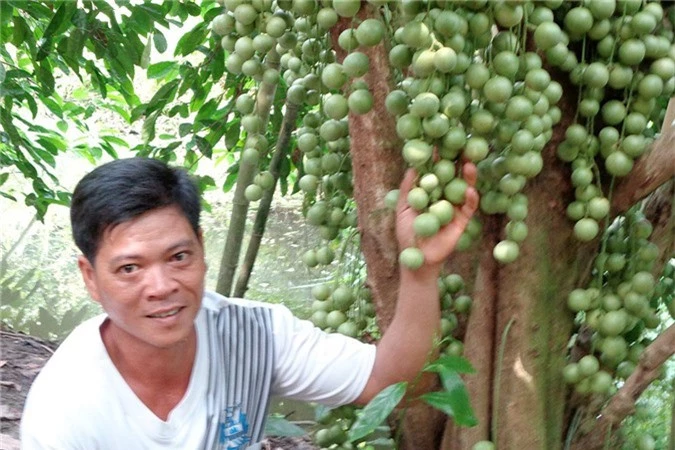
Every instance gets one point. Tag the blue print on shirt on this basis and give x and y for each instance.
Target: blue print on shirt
(234, 430)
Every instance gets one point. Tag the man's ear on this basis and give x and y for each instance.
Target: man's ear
(88, 276)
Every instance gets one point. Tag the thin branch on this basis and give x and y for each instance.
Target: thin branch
(652, 170)
(287, 127)
(623, 402)
(235, 234)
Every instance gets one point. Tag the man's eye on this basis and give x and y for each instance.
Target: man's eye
(180, 256)
(128, 268)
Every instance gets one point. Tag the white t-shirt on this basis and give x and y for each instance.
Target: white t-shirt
(80, 401)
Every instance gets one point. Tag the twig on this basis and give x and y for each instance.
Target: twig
(623, 402)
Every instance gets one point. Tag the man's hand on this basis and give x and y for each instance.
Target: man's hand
(436, 248)
(408, 342)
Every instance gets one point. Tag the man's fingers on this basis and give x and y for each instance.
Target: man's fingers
(470, 173)
(404, 188)
(470, 202)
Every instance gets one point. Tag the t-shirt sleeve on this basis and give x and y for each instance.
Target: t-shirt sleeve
(312, 365)
(44, 426)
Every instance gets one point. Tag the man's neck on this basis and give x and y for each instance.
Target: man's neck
(158, 377)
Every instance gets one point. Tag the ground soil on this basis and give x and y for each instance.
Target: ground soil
(22, 357)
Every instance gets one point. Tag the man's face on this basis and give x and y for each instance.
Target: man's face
(148, 276)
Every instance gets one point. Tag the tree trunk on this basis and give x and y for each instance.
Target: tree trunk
(519, 328)
(287, 127)
(235, 233)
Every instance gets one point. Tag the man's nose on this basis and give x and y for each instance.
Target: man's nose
(160, 282)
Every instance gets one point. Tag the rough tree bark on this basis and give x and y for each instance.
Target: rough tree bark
(528, 295)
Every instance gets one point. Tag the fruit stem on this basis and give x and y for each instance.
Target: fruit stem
(605, 237)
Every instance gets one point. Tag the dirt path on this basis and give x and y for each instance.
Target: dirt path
(22, 357)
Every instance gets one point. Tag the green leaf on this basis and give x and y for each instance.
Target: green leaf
(232, 134)
(160, 41)
(454, 401)
(377, 410)
(450, 362)
(193, 9)
(203, 146)
(148, 130)
(217, 64)
(20, 31)
(229, 181)
(163, 69)
(207, 110)
(46, 78)
(3, 74)
(184, 129)
(3, 178)
(278, 426)
(115, 140)
(62, 13)
(191, 40)
(164, 95)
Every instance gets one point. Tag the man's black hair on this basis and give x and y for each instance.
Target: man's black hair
(123, 189)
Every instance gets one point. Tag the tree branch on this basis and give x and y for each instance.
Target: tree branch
(623, 402)
(653, 169)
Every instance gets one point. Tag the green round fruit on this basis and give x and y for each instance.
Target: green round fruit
(443, 210)
(645, 442)
(360, 101)
(547, 35)
(418, 198)
(415, 34)
(506, 251)
(396, 102)
(346, 8)
(318, 318)
(343, 297)
(412, 258)
(571, 373)
(335, 106)
(333, 76)
(370, 32)
(326, 18)
(476, 148)
(455, 191)
(425, 105)
(601, 382)
(483, 445)
(632, 52)
(349, 328)
(618, 164)
(445, 59)
(613, 323)
(409, 126)
(416, 152)
(578, 300)
(586, 229)
(588, 365)
(578, 21)
(356, 64)
(498, 89)
(643, 283)
(335, 318)
(253, 192)
(426, 224)
(325, 255)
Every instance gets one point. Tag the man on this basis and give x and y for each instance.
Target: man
(171, 366)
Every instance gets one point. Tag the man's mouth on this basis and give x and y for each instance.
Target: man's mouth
(168, 313)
